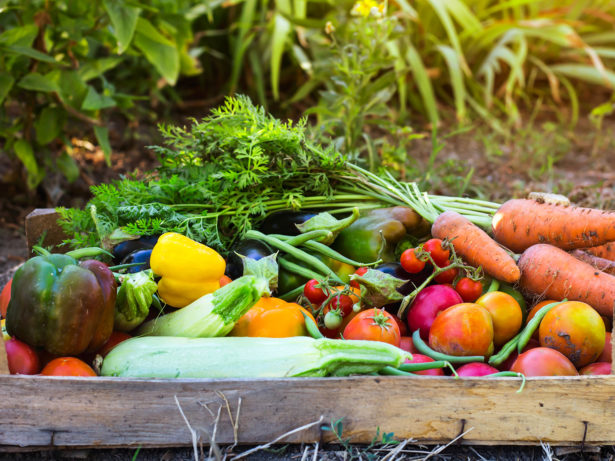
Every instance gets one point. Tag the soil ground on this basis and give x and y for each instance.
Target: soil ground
(578, 164)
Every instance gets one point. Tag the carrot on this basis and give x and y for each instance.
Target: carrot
(596, 262)
(475, 246)
(519, 224)
(551, 272)
(606, 251)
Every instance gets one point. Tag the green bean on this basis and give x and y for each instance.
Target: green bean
(124, 266)
(89, 252)
(410, 367)
(391, 371)
(292, 294)
(505, 351)
(531, 326)
(307, 236)
(429, 352)
(311, 327)
(494, 286)
(328, 251)
(299, 270)
(296, 252)
(511, 374)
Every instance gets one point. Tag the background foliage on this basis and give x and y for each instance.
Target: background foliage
(366, 71)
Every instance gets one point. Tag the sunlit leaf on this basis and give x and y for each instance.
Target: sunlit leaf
(102, 136)
(456, 79)
(124, 21)
(423, 83)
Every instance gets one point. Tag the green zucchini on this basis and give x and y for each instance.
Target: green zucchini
(243, 357)
(214, 314)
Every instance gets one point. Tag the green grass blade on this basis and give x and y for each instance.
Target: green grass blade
(242, 42)
(456, 78)
(586, 73)
(441, 9)
(281, 31)
(424, 84)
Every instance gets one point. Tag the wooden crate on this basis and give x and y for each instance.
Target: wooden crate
(40, 411)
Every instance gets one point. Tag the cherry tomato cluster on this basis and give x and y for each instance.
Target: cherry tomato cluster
(436, 252)
(341, 317)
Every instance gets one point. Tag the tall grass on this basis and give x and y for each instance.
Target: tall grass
(483, 57)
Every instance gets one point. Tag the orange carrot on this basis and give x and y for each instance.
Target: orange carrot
(604, 265)
(475, 246)
(519, 224)
(551, 272)
(606, 251)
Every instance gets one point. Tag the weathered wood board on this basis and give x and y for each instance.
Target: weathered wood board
(112, 412)
(42, 412)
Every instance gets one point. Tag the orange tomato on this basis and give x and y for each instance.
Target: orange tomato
(224, 280)
(272, 318)
(506, 314)
(67, 366)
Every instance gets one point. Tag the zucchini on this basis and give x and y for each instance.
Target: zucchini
(244, 357)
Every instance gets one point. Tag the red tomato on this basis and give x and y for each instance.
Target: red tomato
(360, 272)
(438, 254)
(373, 325)
(115, 338)
(224, 280)
(67, 366)
(314, 294)
(342, 302)
(410, 262)
(447, 276)
(23, 360)
(469, 290)
(5, 297)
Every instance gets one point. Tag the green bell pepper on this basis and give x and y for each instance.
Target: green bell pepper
(62, 305)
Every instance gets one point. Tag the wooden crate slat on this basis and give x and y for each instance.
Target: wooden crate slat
(113, 412)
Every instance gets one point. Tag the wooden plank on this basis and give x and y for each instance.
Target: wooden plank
(4, 363)
(114, 412)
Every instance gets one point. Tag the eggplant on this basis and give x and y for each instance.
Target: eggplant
(139, 256)
(285, 222)
(122, 250)
(414, 280)
(250, 248)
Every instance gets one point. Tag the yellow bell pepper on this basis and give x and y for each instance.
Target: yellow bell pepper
(188, 269)
(272, 318)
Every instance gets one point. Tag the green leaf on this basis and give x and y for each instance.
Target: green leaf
(72, 88)
(124, 21)
(96, 101)
(96, 68)
(158, 50)
(24, 152)
(423, 83)
(67, 166)
(6, 83)
(242, 41)
(456, 78)
(30, 52)
(280, 34)
(19, 36)
(102, 136)
(587, 73)
(38, 82)
(49, 124)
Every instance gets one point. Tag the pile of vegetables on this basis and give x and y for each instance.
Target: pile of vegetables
(328, 270)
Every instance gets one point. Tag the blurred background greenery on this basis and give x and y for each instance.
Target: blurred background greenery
(391, 83)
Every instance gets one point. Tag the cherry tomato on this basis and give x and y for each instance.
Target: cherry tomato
(343, 303)
(438, 254)
(23, 359)
(313, 293)
(410, 262)
(5, 297)
(447, 276)
(115, 338)
(333, 320)
(373, 325)
(469, 290)
(225, 280)
(360, 272)
(67, 366)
